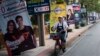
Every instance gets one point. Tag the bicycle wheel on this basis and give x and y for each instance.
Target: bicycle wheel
(57, 50)
(63, 47)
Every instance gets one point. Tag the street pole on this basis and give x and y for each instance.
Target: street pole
(41, 29)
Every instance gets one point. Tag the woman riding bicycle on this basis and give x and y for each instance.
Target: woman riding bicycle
(61, 28)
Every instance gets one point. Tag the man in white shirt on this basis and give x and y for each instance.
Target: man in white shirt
(61, 26)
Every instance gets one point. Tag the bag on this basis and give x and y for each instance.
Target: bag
(54, 36)
(62, 32)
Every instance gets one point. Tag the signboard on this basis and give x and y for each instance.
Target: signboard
(83, 10)
(69, 7)
(70, 12)
(77, 11)
(76, 7)
(13, 15)
(38, 6)
(10, 9)
(41, 9)
(57, 10)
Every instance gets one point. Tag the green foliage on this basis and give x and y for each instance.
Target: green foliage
(60, 0)
(34, 20)
(57, 0)
(91, 5)
(34, 1)
(47, 17)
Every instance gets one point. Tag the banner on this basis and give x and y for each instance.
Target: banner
(16, 26)
(69, 7)
(56, 11)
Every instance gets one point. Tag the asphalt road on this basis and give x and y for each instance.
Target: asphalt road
(87, 45)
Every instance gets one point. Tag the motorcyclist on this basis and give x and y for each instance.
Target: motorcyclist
(61, 28)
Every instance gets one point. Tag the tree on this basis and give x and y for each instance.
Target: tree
(91, 5)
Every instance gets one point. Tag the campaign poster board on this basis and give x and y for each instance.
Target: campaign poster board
(16, 40)
(57, 10)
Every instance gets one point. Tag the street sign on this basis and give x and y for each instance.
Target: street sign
(41, 9)
(37, 7)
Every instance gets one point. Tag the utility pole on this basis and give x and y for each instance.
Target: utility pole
(41, 29)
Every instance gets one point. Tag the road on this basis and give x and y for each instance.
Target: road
(87, 45)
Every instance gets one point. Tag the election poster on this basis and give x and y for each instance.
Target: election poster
(57, 10)
(16, 27)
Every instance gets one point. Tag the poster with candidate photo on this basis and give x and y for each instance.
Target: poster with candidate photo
(16, 27)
